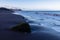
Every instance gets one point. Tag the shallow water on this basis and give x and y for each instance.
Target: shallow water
(43, 19)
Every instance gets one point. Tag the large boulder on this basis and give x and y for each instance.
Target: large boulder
(22, 27)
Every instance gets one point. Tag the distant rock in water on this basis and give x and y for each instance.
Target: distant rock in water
(17, 9)
(6, 10)
(22, 27)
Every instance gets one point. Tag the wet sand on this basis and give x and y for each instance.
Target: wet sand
(9, 20)
(11, 35)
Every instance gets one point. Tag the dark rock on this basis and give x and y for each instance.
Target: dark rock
(19, 9)
(22, 27)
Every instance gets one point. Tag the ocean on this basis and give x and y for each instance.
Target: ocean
(48, 19)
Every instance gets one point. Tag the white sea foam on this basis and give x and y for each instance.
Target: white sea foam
(41, 19)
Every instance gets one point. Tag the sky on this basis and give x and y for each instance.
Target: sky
(31, 4)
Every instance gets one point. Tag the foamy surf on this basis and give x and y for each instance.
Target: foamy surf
(41, 19)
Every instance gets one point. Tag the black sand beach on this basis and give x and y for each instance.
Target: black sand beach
(9, 20)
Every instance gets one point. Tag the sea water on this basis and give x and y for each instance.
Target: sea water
(50, 19)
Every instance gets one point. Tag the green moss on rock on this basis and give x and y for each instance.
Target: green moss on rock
(22, 27)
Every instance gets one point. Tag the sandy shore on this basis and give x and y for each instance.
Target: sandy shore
(10, 20)
(12, 35)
